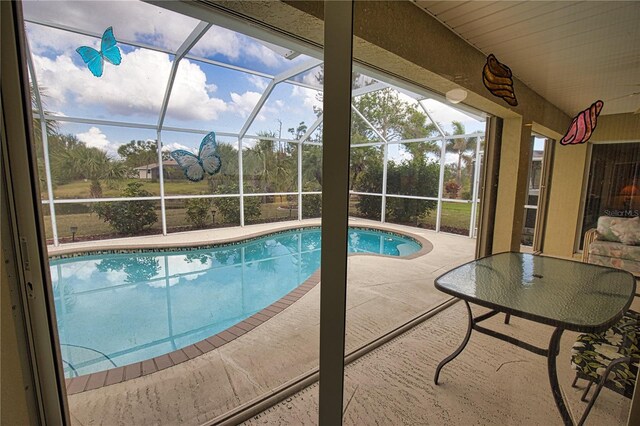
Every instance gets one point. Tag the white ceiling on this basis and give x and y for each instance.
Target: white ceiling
(570, 52)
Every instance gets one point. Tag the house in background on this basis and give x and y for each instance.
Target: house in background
(152, 171)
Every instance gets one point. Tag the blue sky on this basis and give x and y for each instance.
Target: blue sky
(204, 96)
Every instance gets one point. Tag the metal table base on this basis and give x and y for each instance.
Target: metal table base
(551, 354)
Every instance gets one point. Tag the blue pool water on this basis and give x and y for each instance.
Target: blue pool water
(116, 309)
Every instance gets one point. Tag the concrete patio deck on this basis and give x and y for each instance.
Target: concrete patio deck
(490, 383)
(383, 293)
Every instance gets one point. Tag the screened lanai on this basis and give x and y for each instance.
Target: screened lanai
(165, 298)
(107, 140)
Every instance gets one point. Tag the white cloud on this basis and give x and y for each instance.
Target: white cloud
(259, 82)
(234, 45)
(211, 88)
(444, 115)
(175, 145)
(79, 270)
(309, 97)
(262, 53)
(218, 41)
(116, 277)
(135, 87)
(94, 138)
(312, 78)
(157, 27)
(243, 104)
(47, 40)
(190, 98)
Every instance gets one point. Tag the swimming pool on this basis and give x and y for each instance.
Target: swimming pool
(117, 309)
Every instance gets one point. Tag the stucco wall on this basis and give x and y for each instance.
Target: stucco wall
(569, 172)
(564, 199)
(617, 127)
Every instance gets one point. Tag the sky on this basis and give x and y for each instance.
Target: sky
(204, 96)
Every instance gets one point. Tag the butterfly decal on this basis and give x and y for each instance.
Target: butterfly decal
(207, 160)
(108, 51)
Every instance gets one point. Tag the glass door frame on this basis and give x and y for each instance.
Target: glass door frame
(543, 191)
(543, 195)
(28, 243)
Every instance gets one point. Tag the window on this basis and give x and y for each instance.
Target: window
(613, 188)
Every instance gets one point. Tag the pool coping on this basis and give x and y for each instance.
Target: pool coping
(139, 369)
(133, 247)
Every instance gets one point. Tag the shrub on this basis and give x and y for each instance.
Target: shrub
(311, 203)
(198, 211)
(252, 208)
(230, 207)
(451, 189)
(415, 177)
(369, 206)
(128, 217)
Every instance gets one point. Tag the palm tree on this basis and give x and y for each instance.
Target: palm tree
(416, 127)
(264, 154)
(228, 171)
(461, 147)
(94, 165)
(312, 164)
(51, 128)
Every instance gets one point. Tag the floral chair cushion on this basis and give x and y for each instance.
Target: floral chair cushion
(617, 250)
(592, 353)
(619, 229)
(628, 231)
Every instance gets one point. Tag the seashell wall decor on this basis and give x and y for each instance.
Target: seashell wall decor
(583, 125)
(497, 78)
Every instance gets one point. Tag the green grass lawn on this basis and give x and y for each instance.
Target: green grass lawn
(91, 226)
(455, 216)
(80, 188)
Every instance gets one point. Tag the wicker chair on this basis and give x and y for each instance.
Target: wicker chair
(589, 237)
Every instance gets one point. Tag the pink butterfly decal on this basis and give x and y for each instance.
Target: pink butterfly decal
(583, 125)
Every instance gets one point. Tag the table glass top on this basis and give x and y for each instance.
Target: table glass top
(577, 296)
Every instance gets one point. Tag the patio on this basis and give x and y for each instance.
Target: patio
(383, 293)
(96, 164)
(489, 383)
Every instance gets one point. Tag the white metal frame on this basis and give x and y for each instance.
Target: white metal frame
(285, 77)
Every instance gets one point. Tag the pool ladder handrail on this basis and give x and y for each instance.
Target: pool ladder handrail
(89, 349)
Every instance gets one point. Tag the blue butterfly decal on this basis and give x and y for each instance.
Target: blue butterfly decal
(108, 51)
(207, 160)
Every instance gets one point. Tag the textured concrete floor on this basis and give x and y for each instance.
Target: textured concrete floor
(382, 293)
(490, 383)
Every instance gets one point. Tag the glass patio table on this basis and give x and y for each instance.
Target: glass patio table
(565, 294)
